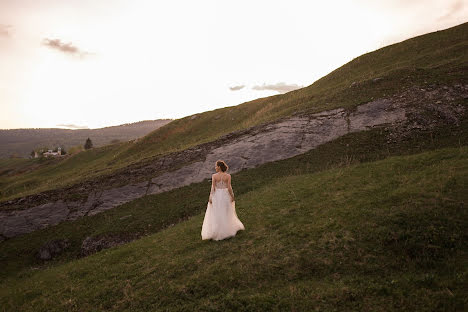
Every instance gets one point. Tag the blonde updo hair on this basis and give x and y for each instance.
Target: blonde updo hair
(222, 165)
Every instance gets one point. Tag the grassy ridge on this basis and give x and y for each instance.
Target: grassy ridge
(387, 235)
(435, 58)
(56, 173)
(153, 213)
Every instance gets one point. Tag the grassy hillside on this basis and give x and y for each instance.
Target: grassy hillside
(437, 58)
(379, 236)
(153, 213)
(54, 173)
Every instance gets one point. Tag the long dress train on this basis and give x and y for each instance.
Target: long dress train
(220, 220)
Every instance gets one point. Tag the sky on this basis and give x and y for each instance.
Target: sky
(91, 64)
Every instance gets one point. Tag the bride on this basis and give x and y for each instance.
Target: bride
(220, 217)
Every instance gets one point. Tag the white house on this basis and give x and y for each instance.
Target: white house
(50, 153)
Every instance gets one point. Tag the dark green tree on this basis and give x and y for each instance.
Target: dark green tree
(88, 144)
(32, 154)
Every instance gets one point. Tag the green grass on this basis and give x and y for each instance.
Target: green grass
(56, 173)
(437, 58)
(388, 235)
(150, 214)
(7, 162)
(434, 58)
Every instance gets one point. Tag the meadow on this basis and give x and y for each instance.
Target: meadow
(378, 236)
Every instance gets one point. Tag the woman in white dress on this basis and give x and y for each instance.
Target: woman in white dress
(221, 220)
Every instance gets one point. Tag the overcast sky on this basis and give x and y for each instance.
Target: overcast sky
(89, 63)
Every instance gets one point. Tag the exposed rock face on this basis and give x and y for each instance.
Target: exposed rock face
(52, 248)
(281, 140)
(414, 108)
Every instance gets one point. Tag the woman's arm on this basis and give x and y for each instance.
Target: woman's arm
(212, 189)
(231, 192)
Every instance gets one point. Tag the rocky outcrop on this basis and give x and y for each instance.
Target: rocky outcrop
(52, 249)
(415, 108)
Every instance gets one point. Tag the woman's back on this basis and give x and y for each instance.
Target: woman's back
(221, 180)
(221, 220)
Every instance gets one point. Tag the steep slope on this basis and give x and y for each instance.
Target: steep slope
(387, 236)
(152, 213)
(437, 60)
(413, 110)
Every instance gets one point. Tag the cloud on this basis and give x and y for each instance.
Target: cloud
(453, 9)
(67, 48)
(280, 87)
(236, 88)
(72, 126)
(5, 30)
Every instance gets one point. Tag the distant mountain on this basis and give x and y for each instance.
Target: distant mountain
(20, 142)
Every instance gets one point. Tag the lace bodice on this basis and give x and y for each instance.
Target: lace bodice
(222, 184)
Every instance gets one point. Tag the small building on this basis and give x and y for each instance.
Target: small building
(53, 154)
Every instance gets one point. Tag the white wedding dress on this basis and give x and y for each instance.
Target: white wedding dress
(220, 220)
